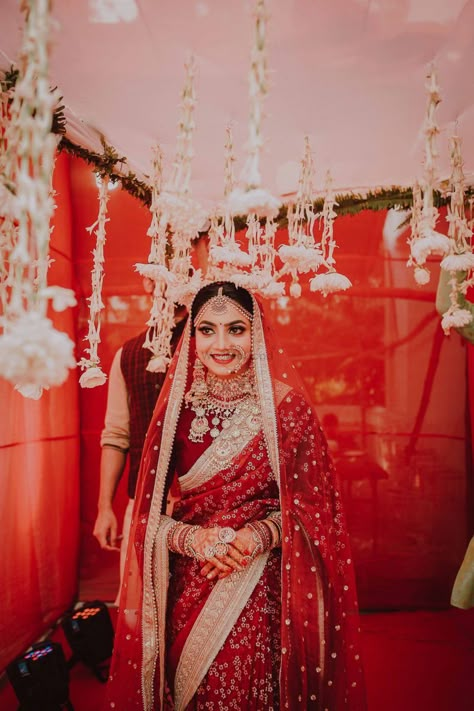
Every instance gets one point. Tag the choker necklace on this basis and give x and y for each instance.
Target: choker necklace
(217, 399)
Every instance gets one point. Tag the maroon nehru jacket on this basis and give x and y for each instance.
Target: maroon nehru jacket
(143, 389)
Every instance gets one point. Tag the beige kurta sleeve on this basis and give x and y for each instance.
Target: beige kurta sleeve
(463, 590)
(116, 432)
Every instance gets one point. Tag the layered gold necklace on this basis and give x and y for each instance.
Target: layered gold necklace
(215, 400)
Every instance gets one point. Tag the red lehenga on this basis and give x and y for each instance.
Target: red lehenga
(283, 632)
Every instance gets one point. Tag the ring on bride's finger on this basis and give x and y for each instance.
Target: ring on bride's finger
(221, 548)
(227, 534)
(209, 552)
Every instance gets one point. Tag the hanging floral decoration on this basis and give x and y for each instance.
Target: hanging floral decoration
(93, 374)
(330, 281)
(161, 319)
(424, 240)
(225, 253)
(176, 219)
(182, 213)
(301, 255)
(8, 224)
(460, 260)
(33, 354)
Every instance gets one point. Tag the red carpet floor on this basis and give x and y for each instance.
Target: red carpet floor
(415, 661)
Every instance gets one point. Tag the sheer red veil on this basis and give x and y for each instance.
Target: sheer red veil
(320, 663)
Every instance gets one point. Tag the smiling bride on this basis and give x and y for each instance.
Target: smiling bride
(239, 590)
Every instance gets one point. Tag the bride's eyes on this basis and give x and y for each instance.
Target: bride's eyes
(233, 330)
(236, 330)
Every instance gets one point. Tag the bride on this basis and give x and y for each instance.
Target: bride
(239, 589)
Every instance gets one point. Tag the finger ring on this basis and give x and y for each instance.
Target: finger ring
(227, 534)
(221, 548)
(209, 552)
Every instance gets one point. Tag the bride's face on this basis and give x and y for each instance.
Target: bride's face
(223, 341)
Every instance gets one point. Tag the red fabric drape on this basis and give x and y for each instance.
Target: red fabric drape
(39, 464)
(372, 358)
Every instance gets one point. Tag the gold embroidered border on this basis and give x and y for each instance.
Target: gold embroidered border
(208, 464)
(212, 627)
(154, 607)
(265, 391)
(321, 619)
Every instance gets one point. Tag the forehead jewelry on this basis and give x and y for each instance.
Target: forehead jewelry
(218, 305)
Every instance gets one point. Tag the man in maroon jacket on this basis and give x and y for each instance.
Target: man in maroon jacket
(132, 394)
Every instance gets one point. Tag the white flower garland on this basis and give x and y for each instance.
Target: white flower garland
(461, 257)
(301, 255)
(424, 240)
(93, 376)
(161, 321)
(33, 355)
(331, 281)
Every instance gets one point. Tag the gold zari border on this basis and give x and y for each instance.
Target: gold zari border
(212, 627)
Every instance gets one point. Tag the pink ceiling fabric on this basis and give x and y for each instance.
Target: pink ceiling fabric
(350, 73)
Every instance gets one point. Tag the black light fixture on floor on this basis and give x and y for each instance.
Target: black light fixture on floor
(40, 678)
(90, 634)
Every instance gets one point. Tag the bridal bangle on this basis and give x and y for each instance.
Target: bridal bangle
(266, 533)
(180, 539)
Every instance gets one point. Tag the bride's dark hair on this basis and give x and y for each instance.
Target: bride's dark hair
(236, 293)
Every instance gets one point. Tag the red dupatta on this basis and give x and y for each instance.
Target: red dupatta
(320, 661)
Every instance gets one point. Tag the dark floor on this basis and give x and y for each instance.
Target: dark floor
(415, 661)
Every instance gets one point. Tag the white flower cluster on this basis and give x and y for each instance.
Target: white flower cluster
(61, 298)
(257, 200)
(230, 254)
(303, 259)
(458, 262)
(34, 353)
(93, 375)
(430, 242)
(455, 318)
(156, 272)
(329, 283)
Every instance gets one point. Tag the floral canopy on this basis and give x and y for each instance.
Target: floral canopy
(349, 73)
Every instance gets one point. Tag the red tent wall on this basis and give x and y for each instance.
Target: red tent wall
(39, 464)
(375, 357)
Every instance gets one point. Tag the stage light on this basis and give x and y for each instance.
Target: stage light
(90, 634)
(40, 678)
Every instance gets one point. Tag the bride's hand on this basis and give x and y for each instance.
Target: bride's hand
(239, 552)
(226, 557)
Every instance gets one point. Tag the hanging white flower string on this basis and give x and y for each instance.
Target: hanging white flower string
(427, 241)
(8, 231)
(33, 354)
(418, 254)
(180, 211)
(331, 281)
(93, 374)
(225, 253)
(161, 319)
(460, 260)
(301, 255)
(251, 197)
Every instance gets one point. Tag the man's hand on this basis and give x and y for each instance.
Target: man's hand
(105, 530)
